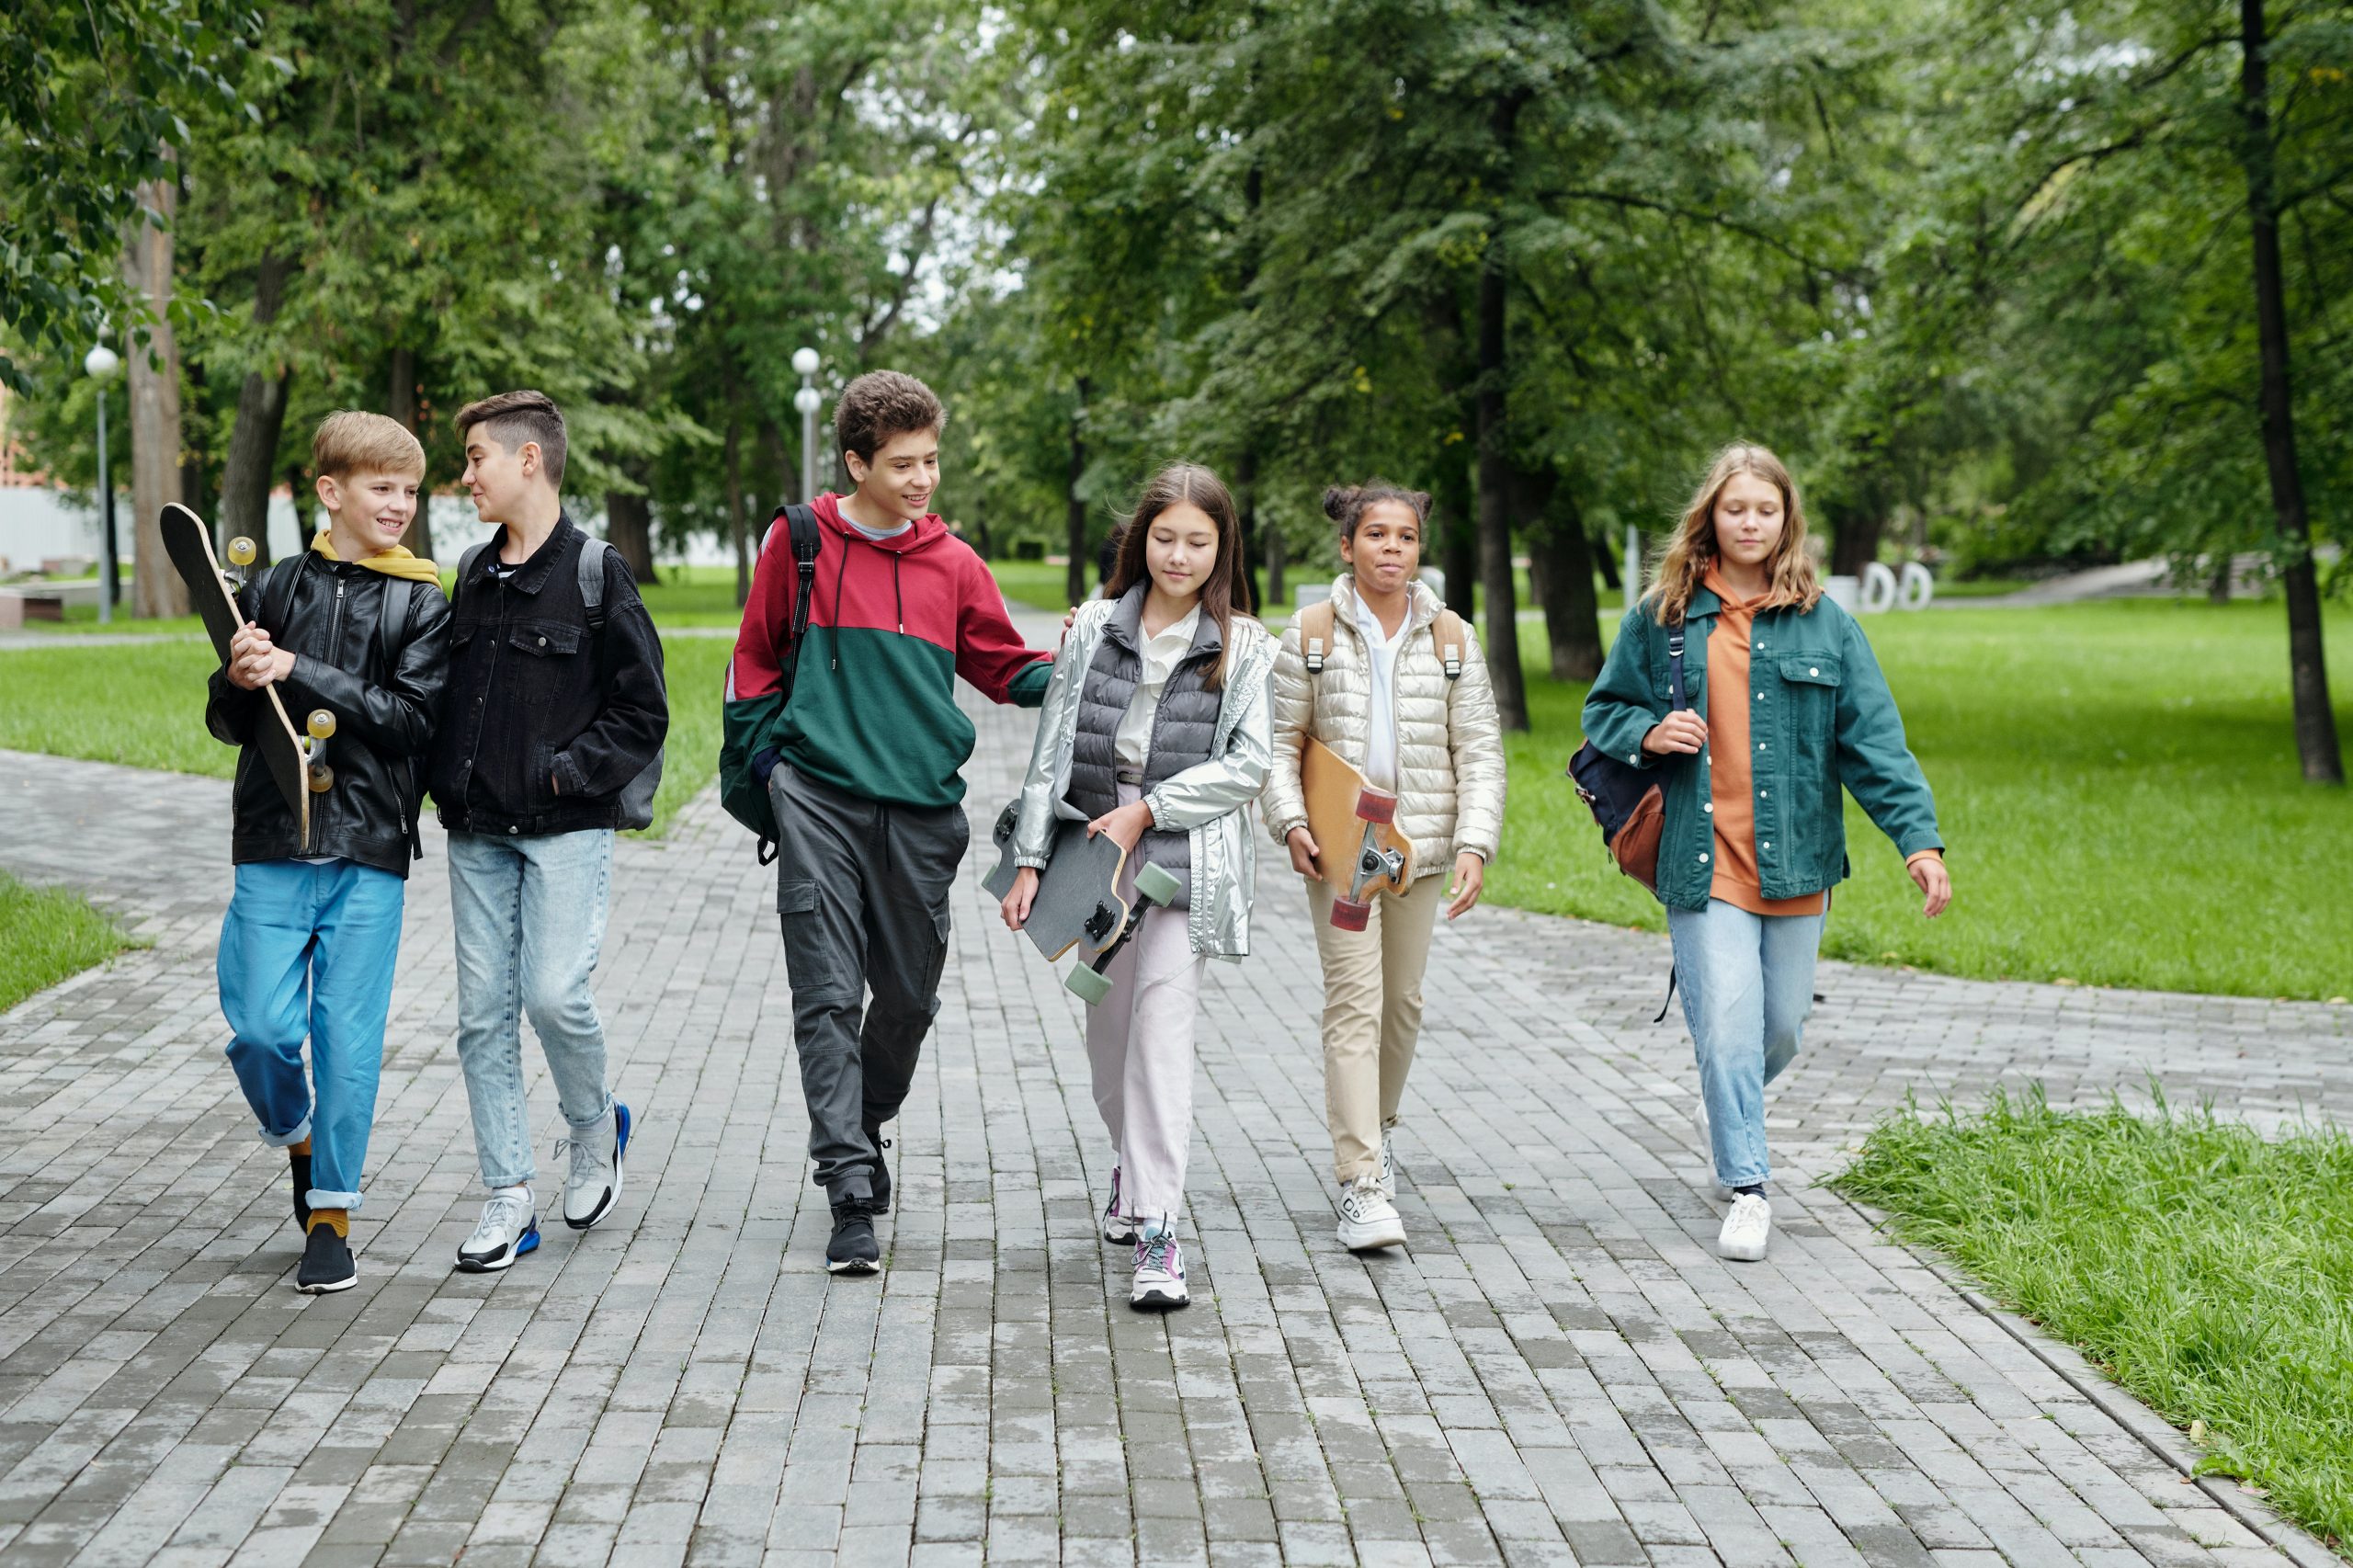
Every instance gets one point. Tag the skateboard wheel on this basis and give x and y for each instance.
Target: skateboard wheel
(1158, 885)
(320, 724)
(1347, 915)
(1087, 985)
(322, 778)
(242, 551)
(1376, 805)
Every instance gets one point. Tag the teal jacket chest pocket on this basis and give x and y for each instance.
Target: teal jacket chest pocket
(1809, 693)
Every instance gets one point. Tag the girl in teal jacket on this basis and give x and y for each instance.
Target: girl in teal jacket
(1787, 706)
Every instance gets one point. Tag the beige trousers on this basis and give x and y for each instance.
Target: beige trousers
(1372, 1014)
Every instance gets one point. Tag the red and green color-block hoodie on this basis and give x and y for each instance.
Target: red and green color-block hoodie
(892, 624)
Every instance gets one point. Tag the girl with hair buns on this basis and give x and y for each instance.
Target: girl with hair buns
(1384, 699)
(1787, 704)
(1154, 732)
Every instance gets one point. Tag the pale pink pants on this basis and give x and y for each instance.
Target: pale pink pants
(1140, 1045)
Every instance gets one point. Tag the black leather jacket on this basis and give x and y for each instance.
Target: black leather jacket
(385, 701)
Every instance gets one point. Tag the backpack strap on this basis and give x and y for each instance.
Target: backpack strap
(466, 567)
(593, 552)
(392, 622)
(274, 595)
(1315, 634)
(806, 538)
(1676, 700)
(1447, 632)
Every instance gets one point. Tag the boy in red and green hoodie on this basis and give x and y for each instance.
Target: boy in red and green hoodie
(862, 764)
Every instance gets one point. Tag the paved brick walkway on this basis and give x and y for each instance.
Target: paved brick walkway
(1557, 1370)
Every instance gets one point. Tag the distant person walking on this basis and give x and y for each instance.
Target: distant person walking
(1379, 689)
(1787, 704)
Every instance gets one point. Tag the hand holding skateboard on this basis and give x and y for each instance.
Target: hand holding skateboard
(1344, 810)
(1075, 902)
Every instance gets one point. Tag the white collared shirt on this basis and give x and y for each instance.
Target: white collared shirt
(1380, 657)
(1132, 741)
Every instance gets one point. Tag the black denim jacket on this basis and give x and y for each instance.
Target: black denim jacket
(544, 722)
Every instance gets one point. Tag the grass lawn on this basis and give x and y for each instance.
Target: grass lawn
(46, 934)
(2204, 1268)
(2117, 783)
(143, 705)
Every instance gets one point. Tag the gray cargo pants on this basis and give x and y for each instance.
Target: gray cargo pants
(862, 889)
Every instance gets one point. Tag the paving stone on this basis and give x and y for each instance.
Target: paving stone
(1556, 1370)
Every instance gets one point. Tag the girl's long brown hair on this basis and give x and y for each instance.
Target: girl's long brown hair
(1692, 549)
(1181, 483)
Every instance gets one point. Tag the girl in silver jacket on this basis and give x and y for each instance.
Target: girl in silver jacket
(1155, 732)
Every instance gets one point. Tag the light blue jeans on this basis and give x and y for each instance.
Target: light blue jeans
(1747, 983)
(529, 917)
(310, 950)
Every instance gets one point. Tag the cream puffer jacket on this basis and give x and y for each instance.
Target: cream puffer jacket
(1450, 743)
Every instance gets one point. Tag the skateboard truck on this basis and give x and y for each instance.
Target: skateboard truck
(1376, 862)
(1156, 888)
(321, 724)
(241, 556)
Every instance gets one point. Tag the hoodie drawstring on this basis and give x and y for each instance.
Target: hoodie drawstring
(899, 598)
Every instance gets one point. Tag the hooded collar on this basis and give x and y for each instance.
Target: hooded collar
(928, 530)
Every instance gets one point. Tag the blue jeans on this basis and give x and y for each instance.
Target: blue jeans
(310, 950)
(1747, 983)
(529, 917)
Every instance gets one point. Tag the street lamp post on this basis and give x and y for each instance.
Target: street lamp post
(807, 400)
(100, 364)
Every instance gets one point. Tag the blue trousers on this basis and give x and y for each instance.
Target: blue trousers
(1747, 983)
(309, 951)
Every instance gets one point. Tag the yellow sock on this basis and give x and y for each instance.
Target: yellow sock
(303, 1148)
(338, 1219)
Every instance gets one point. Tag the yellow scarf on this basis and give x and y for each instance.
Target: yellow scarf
(398, 561)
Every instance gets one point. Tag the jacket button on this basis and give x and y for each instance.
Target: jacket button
(1764, 794)
(1760, 697)
(1760, 745)
(1813, 672)
(1635, 758)
(1767, 845)
(1707, 805)
(543, 642)
(1703, 859)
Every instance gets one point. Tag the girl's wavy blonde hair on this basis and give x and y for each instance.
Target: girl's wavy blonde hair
(1692, 549)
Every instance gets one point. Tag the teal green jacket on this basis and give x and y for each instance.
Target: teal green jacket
(1821, 717)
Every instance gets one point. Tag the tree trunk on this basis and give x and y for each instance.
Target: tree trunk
(400, 403)
(1246, 482)
(1606, 560)
(1496, 469)
(1572, 613)
(776, 468)
(2316, 745)
(195, 494)
(1075, 520)
(1459, 539)
(2218, 585)
(1277, 553)
(157, 589)
(735, 528)
(628, 528)
(1855, 533)
(261, 421)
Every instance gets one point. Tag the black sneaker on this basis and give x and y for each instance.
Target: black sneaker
(300, 1165)
(326, 1264)
(882, 1184)
(853, 1250)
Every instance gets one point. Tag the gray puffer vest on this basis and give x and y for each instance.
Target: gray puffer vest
(1183, 727)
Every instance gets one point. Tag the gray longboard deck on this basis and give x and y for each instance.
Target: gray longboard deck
(1078, 903)
(188, 545)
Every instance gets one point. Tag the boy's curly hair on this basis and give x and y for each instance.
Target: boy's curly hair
(880, 404)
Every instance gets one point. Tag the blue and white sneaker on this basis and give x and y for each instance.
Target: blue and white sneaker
(594, 1181)
(1160, 1268)
(1117, 1228)
(509, 1228)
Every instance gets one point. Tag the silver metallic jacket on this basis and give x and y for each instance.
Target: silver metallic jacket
(1209, 802)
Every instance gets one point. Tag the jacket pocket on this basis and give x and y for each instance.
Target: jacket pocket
(1809, 704)
(544, 639)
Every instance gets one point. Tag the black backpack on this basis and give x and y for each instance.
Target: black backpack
(747, 741)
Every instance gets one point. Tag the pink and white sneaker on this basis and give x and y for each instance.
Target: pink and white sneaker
(1160, 1268)
(1117, 1228)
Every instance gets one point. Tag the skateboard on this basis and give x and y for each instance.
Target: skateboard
(1078, 902)
(300, 768)
(1354, 825)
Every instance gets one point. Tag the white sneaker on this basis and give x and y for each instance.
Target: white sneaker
(1367, 1219)
(1747, 1229)
(508, 1229)
(1160, 1268)
(1117, 1228)
(1716, 1189)
(593, 1180)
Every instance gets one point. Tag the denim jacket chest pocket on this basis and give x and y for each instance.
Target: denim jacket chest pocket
(544, 658)
(1809, 693)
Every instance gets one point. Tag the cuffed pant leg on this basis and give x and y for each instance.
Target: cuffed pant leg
(567, 891)
(1719, 965)
(1352, 1011)
(263, 967)
(351, 993)
(486, 922)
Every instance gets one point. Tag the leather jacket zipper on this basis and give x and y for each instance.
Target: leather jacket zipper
(319, 798)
